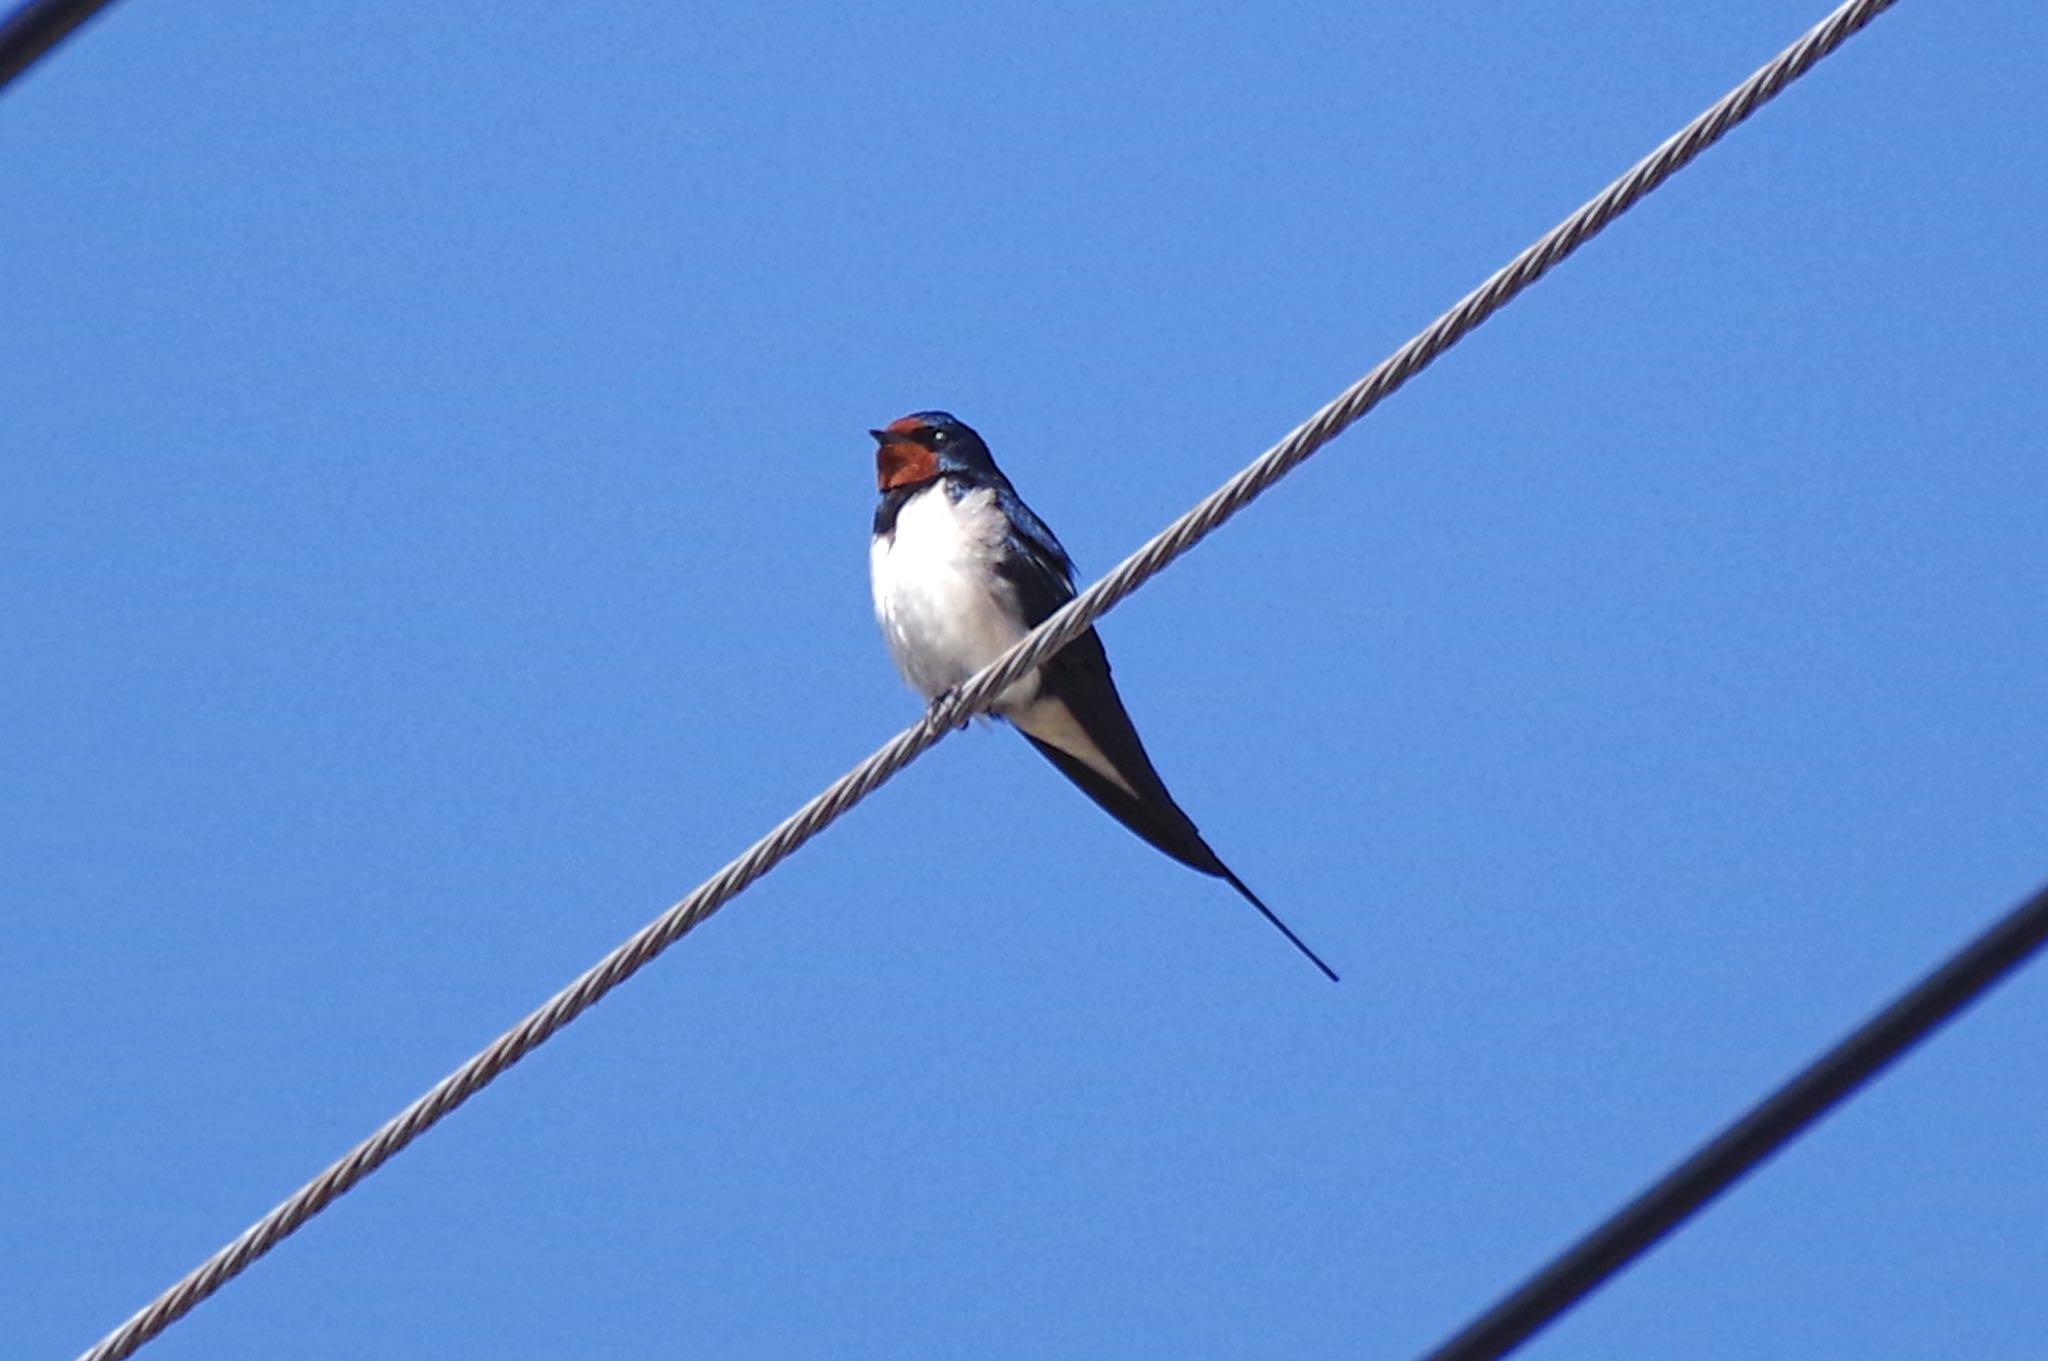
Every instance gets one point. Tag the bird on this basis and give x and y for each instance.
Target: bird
(961, 570)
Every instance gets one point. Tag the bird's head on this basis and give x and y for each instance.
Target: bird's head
(926, 445)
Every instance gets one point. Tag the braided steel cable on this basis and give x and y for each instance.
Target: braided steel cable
(1446, 331)
(977, 694)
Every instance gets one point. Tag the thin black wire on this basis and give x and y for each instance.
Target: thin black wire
(36, 27)
(1762, 1131)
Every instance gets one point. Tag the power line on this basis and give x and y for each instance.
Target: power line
(976, 695)
(1668, 159)
(1764, 1129)
(36, 27)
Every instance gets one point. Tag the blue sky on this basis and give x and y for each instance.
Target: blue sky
(433, 530)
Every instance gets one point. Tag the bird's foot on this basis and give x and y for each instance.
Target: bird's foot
(941, 708)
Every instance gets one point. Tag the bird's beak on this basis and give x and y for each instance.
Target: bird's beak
(883, 437)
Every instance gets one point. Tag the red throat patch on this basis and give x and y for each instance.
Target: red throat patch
(904, 463)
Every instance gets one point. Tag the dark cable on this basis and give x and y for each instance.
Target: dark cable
(1766, 1128)
(36, 27)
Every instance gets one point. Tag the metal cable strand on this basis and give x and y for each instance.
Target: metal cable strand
(976, 695)
(1475, 307)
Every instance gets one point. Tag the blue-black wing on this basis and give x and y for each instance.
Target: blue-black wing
(1042, 574)
(1078, 677)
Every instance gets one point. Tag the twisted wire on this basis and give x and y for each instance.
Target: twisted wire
(1447, 330)
(978, 693)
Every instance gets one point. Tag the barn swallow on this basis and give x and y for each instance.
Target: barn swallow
(962, 570)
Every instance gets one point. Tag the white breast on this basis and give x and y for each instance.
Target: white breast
(943, 610)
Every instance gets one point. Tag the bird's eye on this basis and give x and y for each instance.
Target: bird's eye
(941, 437)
